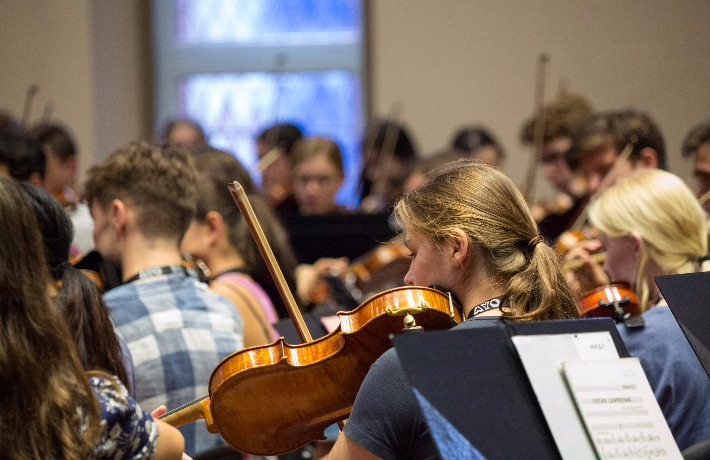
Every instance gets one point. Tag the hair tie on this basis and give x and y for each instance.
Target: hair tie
(534, 242)
(63, 266)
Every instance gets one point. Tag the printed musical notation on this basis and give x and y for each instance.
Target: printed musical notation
(542, 357)
(619, 409)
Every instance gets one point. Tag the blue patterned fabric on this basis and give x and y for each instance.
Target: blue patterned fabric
(127, 431)
(177, 332)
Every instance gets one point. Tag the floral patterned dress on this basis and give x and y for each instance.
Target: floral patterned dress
(127, 432)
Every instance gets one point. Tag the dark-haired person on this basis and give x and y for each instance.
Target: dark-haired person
(184, 133)
(78, 296)
(388, 152)
(602, 138)
(480, 145)
(696, 145)
(560, 120)
(59, 179)
(274, 146)
(52, 407)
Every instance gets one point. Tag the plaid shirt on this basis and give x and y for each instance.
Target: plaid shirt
(177, 332)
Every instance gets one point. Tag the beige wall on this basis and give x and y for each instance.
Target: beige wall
(456, 61)
(88, 60)
(446, 62)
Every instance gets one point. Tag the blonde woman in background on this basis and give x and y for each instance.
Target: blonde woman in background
(651, 224)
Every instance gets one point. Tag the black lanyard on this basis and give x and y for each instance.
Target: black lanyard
(488, 305)
(150, 272)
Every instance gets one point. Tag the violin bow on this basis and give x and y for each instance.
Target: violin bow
(29, 96)
(240, 197)
(385, 153)
(538, 128)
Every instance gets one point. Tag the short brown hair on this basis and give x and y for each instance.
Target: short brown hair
(697, 136)
(617, 129)
(561, 118)
(309, 147)
(160, 182)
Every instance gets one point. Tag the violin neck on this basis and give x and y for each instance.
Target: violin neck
(190, 412)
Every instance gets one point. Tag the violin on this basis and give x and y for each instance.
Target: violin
(271, 399)
(615, 301)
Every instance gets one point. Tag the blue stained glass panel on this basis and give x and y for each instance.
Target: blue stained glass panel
(235, 108)
(280, 22)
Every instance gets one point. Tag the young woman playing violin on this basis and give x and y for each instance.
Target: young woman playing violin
(469, 230)
(651, 224)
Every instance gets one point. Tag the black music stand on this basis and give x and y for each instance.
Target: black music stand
(688, 297)
(475, 380)
(336, 235)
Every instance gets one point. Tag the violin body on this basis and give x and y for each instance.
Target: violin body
(616, 301)
(273, 399)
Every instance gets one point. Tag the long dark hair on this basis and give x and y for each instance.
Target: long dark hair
(41, 378)
(78, 298)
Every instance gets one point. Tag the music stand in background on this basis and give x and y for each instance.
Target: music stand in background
(476, 381)
(336, 235)
(688, 296)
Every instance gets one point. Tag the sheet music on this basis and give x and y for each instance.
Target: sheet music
(618, 407)
(542, 357)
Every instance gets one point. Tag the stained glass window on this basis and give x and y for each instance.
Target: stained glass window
(268, 21)
(240, 66)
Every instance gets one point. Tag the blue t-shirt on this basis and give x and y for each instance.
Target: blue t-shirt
(679, 381)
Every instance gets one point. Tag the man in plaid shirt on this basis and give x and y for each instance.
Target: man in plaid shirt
(142, 199)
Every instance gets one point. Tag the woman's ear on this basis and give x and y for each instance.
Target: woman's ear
(638, 243)
(216, 227)
(460, 247)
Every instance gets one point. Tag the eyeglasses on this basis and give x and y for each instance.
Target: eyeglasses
(320, 180)
(552, 157)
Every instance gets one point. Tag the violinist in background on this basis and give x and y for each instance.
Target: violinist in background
(560, 119)
(184, 133)
(599, 144)
(59, 179)
(274, 146)
(601, 139)
(317, 174)
(480, 145)
(219, 236)
(388, 151)
(697, 146)
(470, 231)
(650, 224)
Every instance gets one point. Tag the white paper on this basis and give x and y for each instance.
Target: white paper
(620, 412)
(542, 357)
